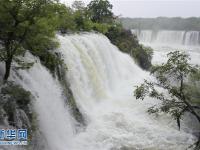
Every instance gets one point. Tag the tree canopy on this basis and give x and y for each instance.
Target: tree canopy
(100, 11)
(25, 25)
(31, 25)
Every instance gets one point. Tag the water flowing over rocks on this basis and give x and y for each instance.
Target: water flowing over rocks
(101, 79)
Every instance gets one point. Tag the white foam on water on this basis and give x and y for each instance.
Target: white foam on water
(102, 79)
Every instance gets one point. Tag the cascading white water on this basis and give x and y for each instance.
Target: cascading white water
(192, 38)
(102, 80)
(55, 121)
(170, 37)
(144, 35)
(188, 38)
(164, 41)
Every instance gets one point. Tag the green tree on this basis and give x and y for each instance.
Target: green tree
(25, 25)
(64, 18)
(173, 77)
(82, 22)
(194, 86)
(143, 56)
(128, 43)
(100, 11)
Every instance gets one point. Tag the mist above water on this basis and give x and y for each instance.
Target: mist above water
(165, 41)
(102, 80)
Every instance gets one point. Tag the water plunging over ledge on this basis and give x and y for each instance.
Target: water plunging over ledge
(102, 80)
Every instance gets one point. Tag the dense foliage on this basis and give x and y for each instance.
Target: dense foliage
(128, 43)
(162, 23)
(174, 76)
(31, 25)
(100, 11)
(25, 25)
(14, 100)
(143, 56)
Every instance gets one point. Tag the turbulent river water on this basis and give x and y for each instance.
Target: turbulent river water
(102, 80)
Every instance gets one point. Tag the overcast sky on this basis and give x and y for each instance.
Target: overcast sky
(153, 8)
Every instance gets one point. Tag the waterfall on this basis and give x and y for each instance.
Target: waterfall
(189, 38)
(192, 38)
(54, 118)
(102, 80)
(165, 41)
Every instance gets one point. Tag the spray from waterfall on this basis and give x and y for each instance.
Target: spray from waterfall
(54, 119)
(165, 41)
(188, 38)
(102, 80)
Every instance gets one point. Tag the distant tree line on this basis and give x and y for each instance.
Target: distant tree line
(162, 23)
